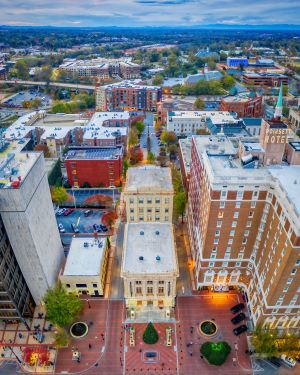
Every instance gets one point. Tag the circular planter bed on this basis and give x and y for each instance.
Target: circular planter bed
(79, 330)
(208, 328)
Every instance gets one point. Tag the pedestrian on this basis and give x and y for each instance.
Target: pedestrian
(191, 354)
(140, 350)
(20, 335)
(96, 364)
(201, 356)
(90, 346)
(78, 360)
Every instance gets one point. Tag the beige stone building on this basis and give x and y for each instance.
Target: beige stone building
(149, 268)
(148, 194)
(85, 268)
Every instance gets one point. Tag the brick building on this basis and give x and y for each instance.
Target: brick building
(127, 95)
(243, 105)
(244, 224)
(265, 79)
(95, 165)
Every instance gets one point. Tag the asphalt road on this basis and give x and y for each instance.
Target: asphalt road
(9, 368)
(143, 140)
(117, 284)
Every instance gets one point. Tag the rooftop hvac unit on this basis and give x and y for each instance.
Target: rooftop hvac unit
(141, 258)
(85, 244)
(157, 257)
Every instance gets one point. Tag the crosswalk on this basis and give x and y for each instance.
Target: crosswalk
(256, 366)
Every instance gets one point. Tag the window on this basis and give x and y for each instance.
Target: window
(149, 282)
(141, 210)
(141, 218)
(233, 224)
(131, 200)
(232, 232)
(131, 218)
(157, 210)
(138, 282)
(255, 194)
(95, 285)
(141, 200)
(138, 290)
(249, 223)
(211, 264)
(81, 285)
(157, 200)
(230, 241)
(293, 272)
(131, 210)
(238, 264)
(161, 290)
(289, 280)
(216, 241)
(149, 210)
(149, 290)
(244, 241)
(212, 256)
(238, 205)
(236, 215)
(219, 224)
(68, 285)
(253, 204)
(298, 262)
(251, 214)
(246, 233)
(223, 194)
(222, 204)
(225, 264)
(167, 200)
(240, 195)
(166, 210)
(149, 200)
(161, 282)
(220, 215)
(217, 233)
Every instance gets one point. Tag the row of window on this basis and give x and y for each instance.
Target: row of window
(149, 210)
(149, 200)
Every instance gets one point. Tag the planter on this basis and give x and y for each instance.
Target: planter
(208, 328)
(79, 330)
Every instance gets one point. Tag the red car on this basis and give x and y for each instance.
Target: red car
(68, 211)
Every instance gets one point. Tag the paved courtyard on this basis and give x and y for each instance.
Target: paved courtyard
(190, 312)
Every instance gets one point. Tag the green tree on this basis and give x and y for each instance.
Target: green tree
(158, 80)
(199, 104)
(36, 103)
(140, 127)
(227, 82)
(55, 174)
(168, 137)
(150, 335)
(125, 167)
(62, 308)
(179, 204)
(264, 341)
(62, 339)
(215, 353)
(133, 138)
(22, 69)
(59, 194)
(150, 157)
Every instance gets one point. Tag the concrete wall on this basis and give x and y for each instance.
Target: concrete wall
(31, 226)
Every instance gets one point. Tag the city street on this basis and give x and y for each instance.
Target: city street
(143, 140)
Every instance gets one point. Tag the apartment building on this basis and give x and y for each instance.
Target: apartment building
(186, 123)
(127, 95)
(148, 194)
(30, 229)
(94, 165)
(85, 269)
(294, 118)
(243, 105)
(244, 222)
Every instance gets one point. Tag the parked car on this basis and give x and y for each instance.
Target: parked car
(238, 318)
(88, 212)
(61, 211)
(97, 227)
(74, 228)
(61, 228)
(237, 308)
(103, 228)
(240, 329)
(290, 362)
(68, 211)
(275, 361)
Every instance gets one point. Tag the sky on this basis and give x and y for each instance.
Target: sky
(148, 12)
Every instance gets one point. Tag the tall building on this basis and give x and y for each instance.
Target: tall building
(127, 95)
(149, 265)
(243, 105)
(148, 194)
(30, 226)
(244, 221)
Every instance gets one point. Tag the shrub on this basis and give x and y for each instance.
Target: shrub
(215, 353)
(150, 335)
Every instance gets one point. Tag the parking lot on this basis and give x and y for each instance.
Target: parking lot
(19, 98)
(263, 367)
(82, 222)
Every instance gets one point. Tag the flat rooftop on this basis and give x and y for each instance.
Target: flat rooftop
(15, 165)
(153, 242)
(149, 178)
(94, 153)
(214, 145)
(85, 256)
(295, 145)
(216, 117)
(185, 146)
(252, 146)
(136, 84)
(289, 178)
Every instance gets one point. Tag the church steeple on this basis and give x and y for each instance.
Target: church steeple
(278, 108)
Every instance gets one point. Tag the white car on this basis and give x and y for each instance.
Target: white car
(61, 211)
(61, 228)
(290, 362)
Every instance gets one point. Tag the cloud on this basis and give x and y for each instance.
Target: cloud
(148, 12)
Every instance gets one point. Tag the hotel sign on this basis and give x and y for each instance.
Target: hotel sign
(277, 135)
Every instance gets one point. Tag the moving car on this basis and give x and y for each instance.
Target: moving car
(238, 318)
(275, 361)
(61, 211)
(240, 329)
(150, 354)
(290, 362)
(103, 228)
(74, 228)
(61, 228)
(237, 308)
(87, 212)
